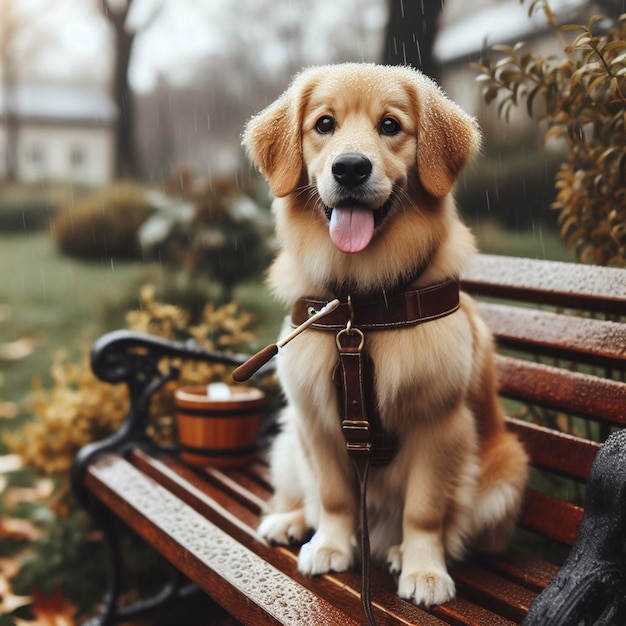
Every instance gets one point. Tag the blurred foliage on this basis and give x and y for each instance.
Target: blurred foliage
(25, 207)
(104, 223)
(69, 545)
(584, 106)
(22, 213)
(78, 408)
(210, 230)
(227, 237)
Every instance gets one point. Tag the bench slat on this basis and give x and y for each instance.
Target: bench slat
(558, 452)
(463, 612)
(248, 588)
(232, 515)
(215, 504)
(550, 517)
(590, 288)
(213, 498)
(486, 588)
(597, 342)
(523, 568)
(563, 390)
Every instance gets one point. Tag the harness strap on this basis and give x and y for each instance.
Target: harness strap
(387, 312)
(352, 371)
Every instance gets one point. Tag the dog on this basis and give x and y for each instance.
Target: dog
(362, 160)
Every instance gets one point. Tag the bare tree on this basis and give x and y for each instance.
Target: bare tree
(16, 49)
(126, 153)
(410, 34)
(11, 23)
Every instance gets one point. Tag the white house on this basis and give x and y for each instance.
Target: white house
(64, 133)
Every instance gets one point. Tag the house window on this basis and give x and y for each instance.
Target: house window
(78, 157)
(37, 155)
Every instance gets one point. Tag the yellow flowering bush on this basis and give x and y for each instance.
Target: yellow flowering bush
(78, 408)
(583, 93)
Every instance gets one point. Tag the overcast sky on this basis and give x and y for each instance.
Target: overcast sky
(71, 40)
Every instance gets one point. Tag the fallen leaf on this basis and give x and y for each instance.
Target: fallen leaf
(10, 463)
(9, 567)
(8, 600)
(43, 489)
(8, 410)
(16, 350)
(50, 611)
(17, 529)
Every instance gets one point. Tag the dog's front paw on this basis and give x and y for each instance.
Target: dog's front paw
(284, 528)
(426, 587)
(319, 556)
(394, 560)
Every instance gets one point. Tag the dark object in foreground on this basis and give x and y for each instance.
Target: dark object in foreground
(591, 580)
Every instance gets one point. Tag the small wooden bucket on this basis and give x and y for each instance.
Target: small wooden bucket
(221, 433)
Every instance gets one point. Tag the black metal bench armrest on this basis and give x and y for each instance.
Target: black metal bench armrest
(136, 359)
(591, 585)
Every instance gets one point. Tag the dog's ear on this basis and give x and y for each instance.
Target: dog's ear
(273, 139)
(447, 138)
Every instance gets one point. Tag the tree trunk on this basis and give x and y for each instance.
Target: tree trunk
(410, 34)
(12, 128)
(9, 31)
(126, 161)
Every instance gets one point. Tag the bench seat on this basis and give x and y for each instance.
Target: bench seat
(561, 364)
(204, 522)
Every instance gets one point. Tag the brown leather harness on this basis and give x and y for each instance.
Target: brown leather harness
(367, 442)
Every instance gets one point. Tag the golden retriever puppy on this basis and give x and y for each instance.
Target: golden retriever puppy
(362, 160)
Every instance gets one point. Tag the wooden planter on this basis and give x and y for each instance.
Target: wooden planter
(220, 433)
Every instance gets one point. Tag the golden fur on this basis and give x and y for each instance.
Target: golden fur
(459, 476)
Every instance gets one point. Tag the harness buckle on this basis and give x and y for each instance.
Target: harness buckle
(358, 449)
(342, 337)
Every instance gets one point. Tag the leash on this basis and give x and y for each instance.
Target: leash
(367, 443)
(354, 373)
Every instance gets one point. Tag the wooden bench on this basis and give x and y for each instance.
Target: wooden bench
(562, 337)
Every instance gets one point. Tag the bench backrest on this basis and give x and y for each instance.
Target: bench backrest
(562, 362)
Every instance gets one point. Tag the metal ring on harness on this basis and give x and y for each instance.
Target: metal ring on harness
(350, 332)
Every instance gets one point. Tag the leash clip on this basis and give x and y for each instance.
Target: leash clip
(350, 331)
(351, 310)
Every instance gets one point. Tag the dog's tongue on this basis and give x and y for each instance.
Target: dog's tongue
(351, 229)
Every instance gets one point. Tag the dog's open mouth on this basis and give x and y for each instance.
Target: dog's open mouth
(352, 226)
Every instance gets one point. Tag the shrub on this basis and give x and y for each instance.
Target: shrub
(584, 105)
(226, 236)
(79, 408)
(24, 208)
(104, 224)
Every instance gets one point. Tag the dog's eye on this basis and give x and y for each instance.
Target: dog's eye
(325, 124)
(389, 126)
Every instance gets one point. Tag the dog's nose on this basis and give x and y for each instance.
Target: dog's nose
(351, 169)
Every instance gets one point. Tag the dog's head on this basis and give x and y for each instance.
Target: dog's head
(360, 138)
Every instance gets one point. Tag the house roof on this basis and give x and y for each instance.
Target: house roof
(502, 23)
(62, 103)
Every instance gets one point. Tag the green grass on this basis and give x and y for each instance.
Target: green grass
(56, 300)
(65, 304)
(537, 243)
